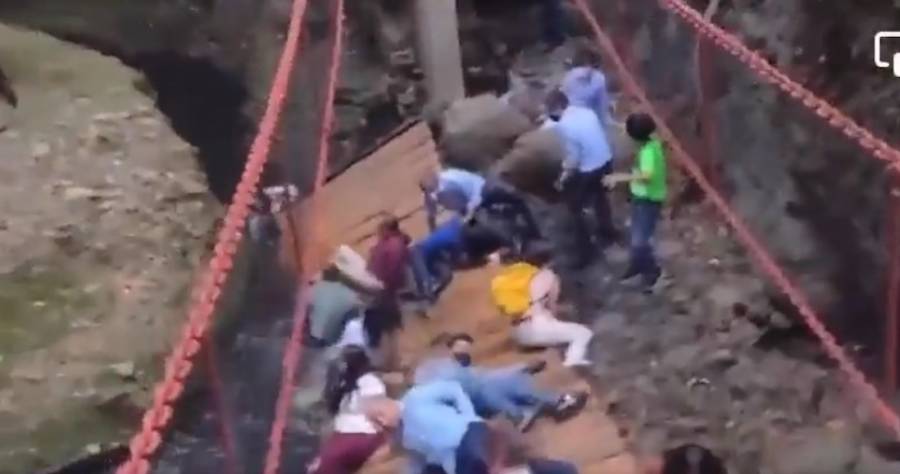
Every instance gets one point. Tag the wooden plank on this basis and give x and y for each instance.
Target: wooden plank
(388, 180)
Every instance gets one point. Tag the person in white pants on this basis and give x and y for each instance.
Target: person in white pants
(539, 327)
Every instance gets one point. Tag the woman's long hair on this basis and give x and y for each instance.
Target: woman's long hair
(343, 375)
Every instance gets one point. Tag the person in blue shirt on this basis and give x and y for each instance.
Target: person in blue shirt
(588, 159)
(491, 203)
(509, 391)
(439, 427)
(585, 85)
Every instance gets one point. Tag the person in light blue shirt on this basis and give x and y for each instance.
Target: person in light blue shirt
(493, 203)
(439, 427)
(457, 190)
(585, 85)
(587, 161)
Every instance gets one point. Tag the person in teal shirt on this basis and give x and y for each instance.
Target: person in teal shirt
(648, 193)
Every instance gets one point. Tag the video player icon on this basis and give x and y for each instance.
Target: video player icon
(880, 61)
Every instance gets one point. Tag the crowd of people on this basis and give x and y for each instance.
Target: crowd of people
(458, 417)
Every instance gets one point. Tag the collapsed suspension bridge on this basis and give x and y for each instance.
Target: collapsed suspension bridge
(310, 245)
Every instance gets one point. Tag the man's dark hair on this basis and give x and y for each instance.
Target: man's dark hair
(586, 55)
(389, 223)
(460, 336)
(692, 459)
(556, 100)
(640, 126)
(538, 253)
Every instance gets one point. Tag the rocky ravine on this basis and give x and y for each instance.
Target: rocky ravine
(104, 218)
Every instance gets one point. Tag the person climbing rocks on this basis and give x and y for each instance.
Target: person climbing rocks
(351, 383)
(439, 427)
(647, 182)
(508, 391)
(527, 291)
(585, 84)
(588, 159)
(490, 203)
(338, 296)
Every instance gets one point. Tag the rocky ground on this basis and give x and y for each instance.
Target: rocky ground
(715, 357)
(104, 218)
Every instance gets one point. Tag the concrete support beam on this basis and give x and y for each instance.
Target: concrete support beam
(437, 33)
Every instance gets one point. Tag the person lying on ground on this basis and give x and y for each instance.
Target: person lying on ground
(511, 453)
(588, 159)
(452, 244)
(439, 427)
(491, 201)
(648, 193)
(350, 384)
(527, 291)
(509, 391)
(686, 459)
(339, 295)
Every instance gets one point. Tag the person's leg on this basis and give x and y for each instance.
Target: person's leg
(606, 230)
(551, 466)
(575, 193)
(521, 389)
(640, 239)
(547, 331)
(651, 267)
(472, 453)
(420, 272)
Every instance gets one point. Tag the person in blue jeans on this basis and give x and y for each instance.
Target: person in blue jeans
(433, 258)
(648, 194)
(509, 391)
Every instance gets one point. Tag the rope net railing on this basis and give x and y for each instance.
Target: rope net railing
(223, 404)
(807, 192)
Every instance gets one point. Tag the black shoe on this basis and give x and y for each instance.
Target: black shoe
(535, 367)
(569, 405)
(629, 275)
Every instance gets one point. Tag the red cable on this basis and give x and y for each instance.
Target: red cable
(758, 64)
(180, 362)
(893, 287)
(868, 392)
(293, 350)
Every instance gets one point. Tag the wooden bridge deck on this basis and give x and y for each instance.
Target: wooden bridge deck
(387, 181)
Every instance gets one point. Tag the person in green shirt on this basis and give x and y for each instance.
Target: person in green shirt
(647, 181)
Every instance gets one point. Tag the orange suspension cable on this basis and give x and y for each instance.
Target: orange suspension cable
(866, 390)
(181, 361)
(293, 351)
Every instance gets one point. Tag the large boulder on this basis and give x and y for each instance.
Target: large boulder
(534, 162)
(477, 131)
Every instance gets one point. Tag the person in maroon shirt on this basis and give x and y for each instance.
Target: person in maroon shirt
(388, 261)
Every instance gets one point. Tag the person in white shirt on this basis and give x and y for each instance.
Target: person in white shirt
(351, 386)
(587, 161)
